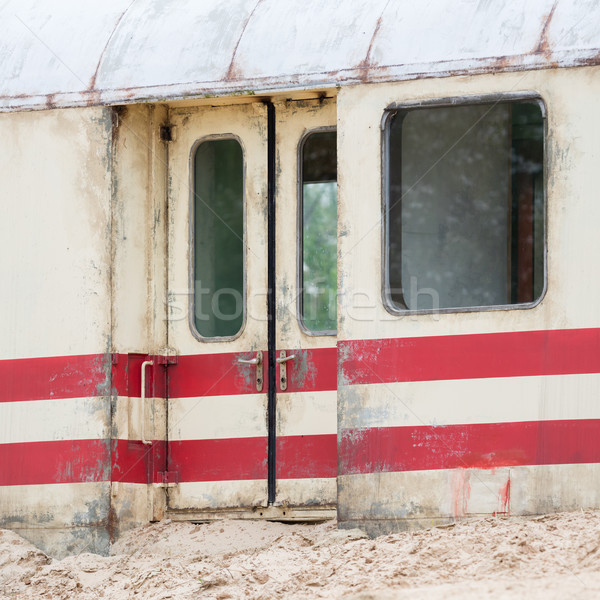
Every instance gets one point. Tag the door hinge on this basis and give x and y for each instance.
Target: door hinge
(171, 359)
(168, 478)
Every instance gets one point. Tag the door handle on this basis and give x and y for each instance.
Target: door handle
(249, 361)
(283, 358)
(282, 361)
(258, 362)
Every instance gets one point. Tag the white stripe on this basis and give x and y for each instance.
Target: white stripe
(218, 417)
(23, 505)
(448, 493)
(498, 400)
(219, 494)
(313, 491)
(58, 419)
(127, 418)
(307, 413)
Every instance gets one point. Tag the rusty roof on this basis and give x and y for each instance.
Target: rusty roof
(73, 53)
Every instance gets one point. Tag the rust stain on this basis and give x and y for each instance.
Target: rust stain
(50, 101)
(232, 71)
(92, 83)
(365, 65)
(93, 98)
(543, 46)
(112, 523)
(461, 492)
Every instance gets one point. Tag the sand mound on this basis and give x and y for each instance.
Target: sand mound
(547, 557)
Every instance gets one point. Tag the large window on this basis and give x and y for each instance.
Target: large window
(318, 224)
(218, 238)
(465, 206)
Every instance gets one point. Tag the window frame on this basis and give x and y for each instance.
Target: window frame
(192, 239)
(495, 98)
(300, 231)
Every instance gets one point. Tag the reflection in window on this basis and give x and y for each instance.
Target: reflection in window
(466, 206)
(218, 238)
(318, 270)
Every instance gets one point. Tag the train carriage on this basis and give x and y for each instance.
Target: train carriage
(295, 261)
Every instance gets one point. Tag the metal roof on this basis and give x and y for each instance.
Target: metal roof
(73, 53)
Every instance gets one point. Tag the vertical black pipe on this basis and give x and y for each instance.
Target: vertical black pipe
(272, 398)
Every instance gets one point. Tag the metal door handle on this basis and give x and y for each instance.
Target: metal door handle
(250, 361)
(283, 358)
(257, 361)
(145, 364)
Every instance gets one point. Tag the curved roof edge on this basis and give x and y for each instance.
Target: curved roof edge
(152, 51)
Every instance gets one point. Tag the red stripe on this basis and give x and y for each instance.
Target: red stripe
(312, 370)
(127, 375)
(524, 353)
(80, 461)
(54, 377)
(233, 459)
(213, 375)
(64, 461)
(306, 456)
(222, 374)
(483, 446)
(136, 462)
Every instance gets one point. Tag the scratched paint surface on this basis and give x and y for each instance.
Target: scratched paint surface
(120, 51)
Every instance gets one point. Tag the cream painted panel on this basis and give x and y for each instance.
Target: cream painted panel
(294, 120)
(139, 231)
(127, 418)
(49, 420)
(306, 413)
(314, 491)
(59, 504)
(248, 123)
(55, 242)
(219, 494)
(218, 417)
(501, 400)
(572, 155)
(426, 498)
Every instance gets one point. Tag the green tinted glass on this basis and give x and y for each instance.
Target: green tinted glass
(318, 272)
(218, 238)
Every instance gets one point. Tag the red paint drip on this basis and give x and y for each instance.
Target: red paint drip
(505, 497)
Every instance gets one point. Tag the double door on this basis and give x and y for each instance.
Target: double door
(252, 306)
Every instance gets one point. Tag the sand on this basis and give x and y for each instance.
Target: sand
(553, 556)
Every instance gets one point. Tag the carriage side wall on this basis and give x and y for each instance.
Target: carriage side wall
(55, 327)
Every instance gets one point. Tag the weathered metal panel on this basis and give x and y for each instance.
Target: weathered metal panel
(138, 299)
(306, 410)
(56, 326)
(56, 207)
(59, 449)
(217, 426)
(442, 416)
(64, 55)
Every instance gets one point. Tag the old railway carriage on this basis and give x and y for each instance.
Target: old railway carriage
(286, 259)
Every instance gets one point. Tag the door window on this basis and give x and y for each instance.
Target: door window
(318, 224)
(218, 238)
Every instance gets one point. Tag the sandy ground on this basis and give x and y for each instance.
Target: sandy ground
(555, 556)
